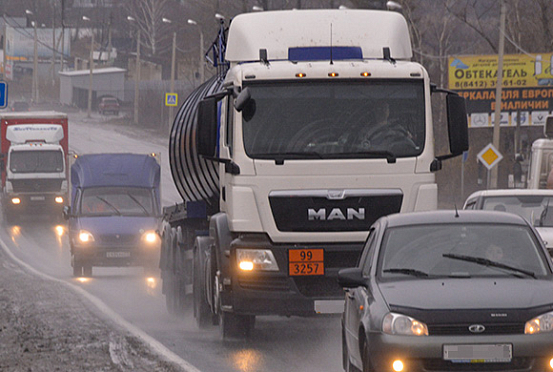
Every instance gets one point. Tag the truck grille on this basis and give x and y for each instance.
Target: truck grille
(324, 211)
(36, 185)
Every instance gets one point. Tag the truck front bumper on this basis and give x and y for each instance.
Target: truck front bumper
(34, 203)
(281, 292)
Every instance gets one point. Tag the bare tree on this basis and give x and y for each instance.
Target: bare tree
(148, 16)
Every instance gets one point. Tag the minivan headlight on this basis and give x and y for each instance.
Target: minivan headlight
(256, 259)
(398, 324)
(85, 236)
(539, 324)
(150, 237)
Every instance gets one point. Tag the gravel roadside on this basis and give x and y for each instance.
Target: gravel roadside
(46, 326)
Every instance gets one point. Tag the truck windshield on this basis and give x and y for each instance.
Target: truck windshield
(334, 119)
(50, 161)
(120, 201)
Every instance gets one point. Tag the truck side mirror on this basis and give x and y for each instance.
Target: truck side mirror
(457, 124)
(66, 212)
(548, 127)
(206, 135)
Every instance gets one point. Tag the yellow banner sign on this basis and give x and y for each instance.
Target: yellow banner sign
(519, 71)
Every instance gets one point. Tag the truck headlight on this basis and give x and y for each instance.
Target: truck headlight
(539, 324)
(16, 201)
(256, 259)
(59, 199)
(398, 324)
(85, 236)
(150, 237)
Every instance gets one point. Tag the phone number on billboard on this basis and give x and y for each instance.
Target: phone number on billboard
(489, 84)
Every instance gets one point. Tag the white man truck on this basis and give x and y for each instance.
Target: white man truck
(34, 147)
(272, 158)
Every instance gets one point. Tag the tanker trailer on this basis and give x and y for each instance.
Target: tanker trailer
(276, 164)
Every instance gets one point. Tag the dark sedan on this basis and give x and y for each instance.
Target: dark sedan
(449, 291)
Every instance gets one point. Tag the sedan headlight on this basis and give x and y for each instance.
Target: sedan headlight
(150, 237)
(398, 324)
(539, 324)
(256, 259)
(85, 236)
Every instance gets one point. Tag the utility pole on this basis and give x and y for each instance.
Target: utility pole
(494, 171)
(62, 59)
(172, 75)
(137, 77)
(35, 68)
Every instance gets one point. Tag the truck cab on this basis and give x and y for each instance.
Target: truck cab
(35, 170)
(115, 212)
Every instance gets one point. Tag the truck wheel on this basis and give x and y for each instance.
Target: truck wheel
(202, 310)
(77, 270)
(10, 218)
(87, 270)
(233, 326)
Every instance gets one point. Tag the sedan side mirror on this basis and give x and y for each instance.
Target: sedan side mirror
(351, 278)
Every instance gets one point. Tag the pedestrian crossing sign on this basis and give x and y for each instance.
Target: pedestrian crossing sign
(3, 94)
(171, 99)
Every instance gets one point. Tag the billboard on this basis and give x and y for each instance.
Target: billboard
(527, 87)
(20, 43)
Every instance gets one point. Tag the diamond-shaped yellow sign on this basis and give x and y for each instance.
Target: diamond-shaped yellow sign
(489, 156)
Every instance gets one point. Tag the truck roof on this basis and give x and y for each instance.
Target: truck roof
(33, 114)
(300, 32)
(121, 169)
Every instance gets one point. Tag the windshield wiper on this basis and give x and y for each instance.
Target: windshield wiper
(413, 272)
(137, 202)
(390, 156)
(490, 263)
(109, 205)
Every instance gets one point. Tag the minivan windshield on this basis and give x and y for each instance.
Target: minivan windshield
(323, 119)
(120, 201)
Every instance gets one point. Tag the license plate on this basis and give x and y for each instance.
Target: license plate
(37, 198)
(481, 353)
(303, 262)
(118, 254)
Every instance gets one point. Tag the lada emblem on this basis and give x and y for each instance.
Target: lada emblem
(477, 328)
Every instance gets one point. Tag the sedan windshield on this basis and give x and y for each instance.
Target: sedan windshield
(120, 201)
(36, 161)
(461, 251)
(321, 119)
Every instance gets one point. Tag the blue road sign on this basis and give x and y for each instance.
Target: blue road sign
(171, 99)
(3, 94)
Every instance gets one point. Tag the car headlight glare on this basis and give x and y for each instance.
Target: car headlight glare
(85, 236)
(16, 201)
(256, 259)
(150, 237)
(539, 324)
(59, 199)
(398, 324)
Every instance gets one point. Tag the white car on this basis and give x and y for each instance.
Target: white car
(534, 205)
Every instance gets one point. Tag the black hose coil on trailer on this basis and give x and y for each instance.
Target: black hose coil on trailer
(195, 177)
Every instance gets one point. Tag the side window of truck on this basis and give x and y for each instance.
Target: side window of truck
(229, 123)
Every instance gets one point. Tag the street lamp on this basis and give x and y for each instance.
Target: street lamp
(34, 82)
(91, 66)
(172, 68)
(137, 73)
(201, 63)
